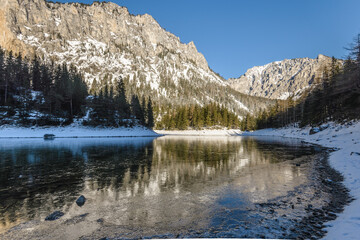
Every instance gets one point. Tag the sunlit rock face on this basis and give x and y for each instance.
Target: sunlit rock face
(282, 79)
(104, 41)
(64, 31)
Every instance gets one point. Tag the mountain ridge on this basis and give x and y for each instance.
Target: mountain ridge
(105, 42)
(282, 79)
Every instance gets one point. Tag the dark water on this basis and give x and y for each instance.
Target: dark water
(164, 187)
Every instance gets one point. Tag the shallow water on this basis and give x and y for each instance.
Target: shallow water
(157, 187)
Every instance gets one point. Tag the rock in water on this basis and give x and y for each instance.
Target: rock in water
(55, 215)
(49, 136)
(81, 201)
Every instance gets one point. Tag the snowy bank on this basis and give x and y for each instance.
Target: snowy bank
(73, 131)
(208, 132)
(346, 160)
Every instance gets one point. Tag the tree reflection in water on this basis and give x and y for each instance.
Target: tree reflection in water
(153, 185)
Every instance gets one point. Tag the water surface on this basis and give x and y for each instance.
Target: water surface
(157, 187)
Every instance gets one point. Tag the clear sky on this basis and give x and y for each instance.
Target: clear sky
(235, 35)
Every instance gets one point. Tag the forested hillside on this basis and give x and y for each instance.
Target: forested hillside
(35, 93)
(335, 97)
(196, 117)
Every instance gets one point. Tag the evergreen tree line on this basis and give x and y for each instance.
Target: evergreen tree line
(110, 107)
(36, 93)
(196, 117)
(39, 93)
(335, 97)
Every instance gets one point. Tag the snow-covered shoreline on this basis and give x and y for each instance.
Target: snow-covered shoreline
(75, 131)
(78, 131)
(346, 160)
(207, 132)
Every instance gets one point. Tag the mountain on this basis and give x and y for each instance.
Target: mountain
(282, 79)
(104, 41)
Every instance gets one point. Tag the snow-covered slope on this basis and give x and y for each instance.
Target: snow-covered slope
(346, 138)
(104, 41)
(281, 79)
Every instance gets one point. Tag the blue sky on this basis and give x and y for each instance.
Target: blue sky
(235, 35)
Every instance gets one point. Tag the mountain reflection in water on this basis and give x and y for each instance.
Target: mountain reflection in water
(157, 184)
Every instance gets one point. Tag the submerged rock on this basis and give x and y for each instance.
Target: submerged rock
(354, 153)
(76, 219)
(49, 136)
(55, 215)
(81, 201)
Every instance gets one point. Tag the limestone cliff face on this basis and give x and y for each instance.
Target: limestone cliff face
(104, 41)
(53, 29)
(282, 79)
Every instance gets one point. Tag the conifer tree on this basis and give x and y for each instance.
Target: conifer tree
(122, 105)
(225, 117)
(9, 76)
(136, 109)
(2, 76)
(36, 74)
(150, 114)
(22, 84)
(208, 121)
(18, 71)
(355, 57)
(144, 111)
(94, 87)
(200, 118)
(46, 79)
(2, 68)
(79, 92)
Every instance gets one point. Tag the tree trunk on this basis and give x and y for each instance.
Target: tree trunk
(71, 108)
(6, 90)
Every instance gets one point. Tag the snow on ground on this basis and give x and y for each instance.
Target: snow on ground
(74, 130)
(346, 160)
(215, 132)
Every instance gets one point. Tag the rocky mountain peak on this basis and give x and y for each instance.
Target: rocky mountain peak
(281, 79)
(321, 57)
(36, 21)
(104, 41)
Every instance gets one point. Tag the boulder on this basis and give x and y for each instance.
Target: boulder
(314, 130)
(55, 215)
(49, 136)
(81, 201)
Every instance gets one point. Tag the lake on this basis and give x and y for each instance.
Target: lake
(165, 187)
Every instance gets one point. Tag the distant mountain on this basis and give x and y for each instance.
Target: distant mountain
(104, 41)
(282, 79)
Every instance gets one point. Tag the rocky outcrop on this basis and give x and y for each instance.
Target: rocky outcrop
(104, 41)
(282, 79)
(57, 31)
